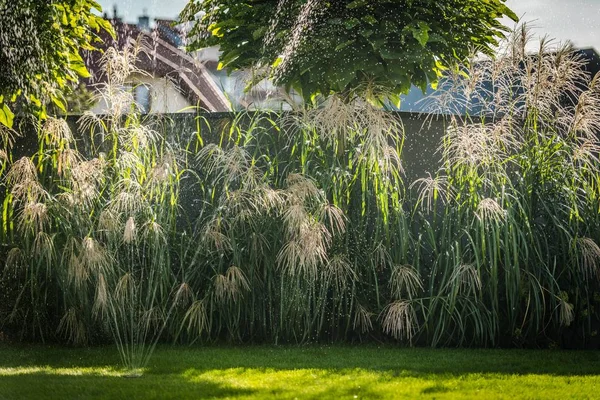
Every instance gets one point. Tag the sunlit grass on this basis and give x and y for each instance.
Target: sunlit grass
(48, 370)
(338, 372)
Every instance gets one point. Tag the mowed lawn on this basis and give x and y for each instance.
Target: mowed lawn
(314, 372)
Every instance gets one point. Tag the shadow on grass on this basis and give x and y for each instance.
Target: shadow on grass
(288, 372)
(400, 362)
(63, 383)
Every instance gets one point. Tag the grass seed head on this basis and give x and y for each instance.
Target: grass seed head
(34, 217)
(362, 319)
(489, 210)
(129, 233)
(57, 131)
(405, 279)
(431, 190)
(399, 320)
(73, 327)
(588, 255)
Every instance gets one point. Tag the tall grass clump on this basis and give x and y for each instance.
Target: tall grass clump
(301, 227)
(512, 214)
(298, 228)
(93, 226)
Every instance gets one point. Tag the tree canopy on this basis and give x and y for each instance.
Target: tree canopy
(40, 44)
(345, 46)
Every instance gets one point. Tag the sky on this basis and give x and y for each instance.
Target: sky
(574, 20)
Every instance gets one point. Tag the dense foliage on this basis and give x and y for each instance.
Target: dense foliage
(268, 227)
(346, 46)
(40, 44)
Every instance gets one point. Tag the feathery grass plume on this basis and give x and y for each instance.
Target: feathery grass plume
(23, 182)
(196, 318)
(390, 161)
(399, 320)
(33, 218)
(118, 100)
(242, 204)
(77, 273)
(57, 132)
(88, 172)
(129, 233)
(213, 236)
(230, 287)
(489, 210)
(405, 279)
(431, 190)
(585, 121)
(100, 296)
(92, 123)
(362, 319)
(236, 162)
(469, 144)
(333, 117)
(465, 278)
(588, 256)
(334, 218)
(154, 233)
(230, 165)
(585, 154)
(124, 291)
(14, 263)
(294, 217)
(306, 251)
(128, 198)
(447, 99)
(22, 171)
(93, 256)
(163, 169)
(7, 137)
(109, 223)
(67, 159)
(221, 287)
(43, 247)
(375, 150)
(28, 192)
(381, 256)
(67, 199)
(73, 327)
(209, 157)
(131, 163)
(138, 136)
(183, 294)
(338, 273)
(300, 189)
(566, 314)
(505, 135)
(271, 199)
(118, 65)
(554, 72)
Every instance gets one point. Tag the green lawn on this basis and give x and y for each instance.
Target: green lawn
(300, 372)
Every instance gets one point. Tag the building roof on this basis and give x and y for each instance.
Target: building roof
(164, 59)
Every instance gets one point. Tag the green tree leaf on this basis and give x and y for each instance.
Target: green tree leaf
(421, 33)
(325, 46)
(6, 115)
